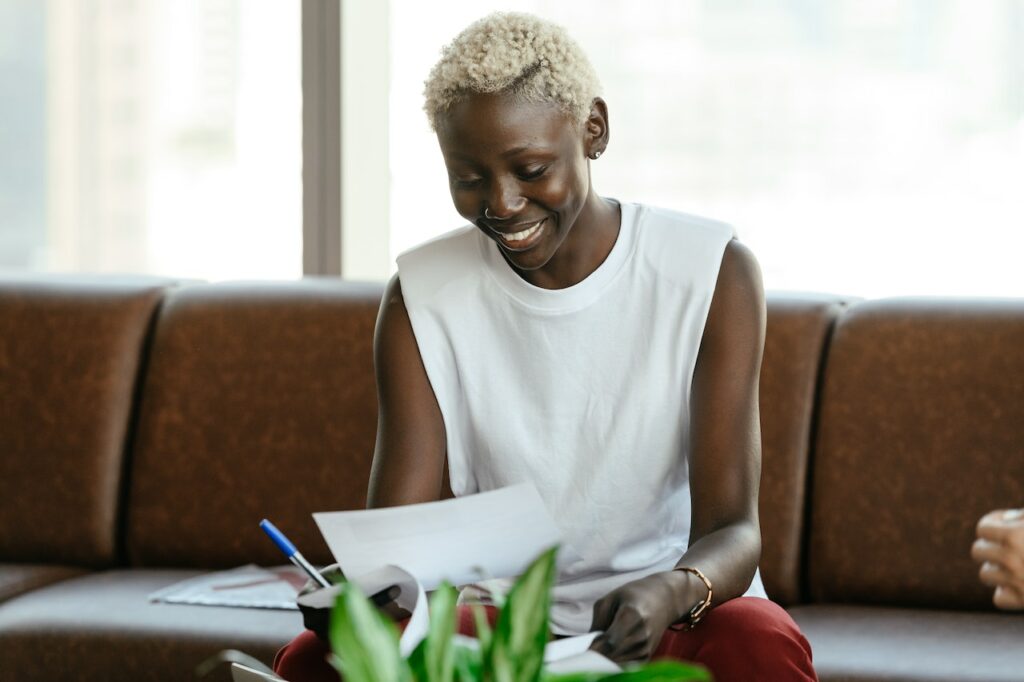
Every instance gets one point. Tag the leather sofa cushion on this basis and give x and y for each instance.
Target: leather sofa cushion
(260, 401)
(921, 432)
(876, 644)
(70, 351)
(18, 578)
(101, 627)
(797, 334)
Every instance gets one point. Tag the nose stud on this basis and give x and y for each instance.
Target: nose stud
(487, 214)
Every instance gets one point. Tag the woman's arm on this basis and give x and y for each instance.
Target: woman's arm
(725, 437)
(725, 469)
(409, 457)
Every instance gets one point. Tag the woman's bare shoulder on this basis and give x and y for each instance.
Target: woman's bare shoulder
(738, 303)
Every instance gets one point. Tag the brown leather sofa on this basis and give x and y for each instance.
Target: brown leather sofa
(146, 427)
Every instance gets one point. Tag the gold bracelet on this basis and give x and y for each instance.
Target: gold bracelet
(694, 615)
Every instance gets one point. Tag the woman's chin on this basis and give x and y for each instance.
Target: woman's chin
(527, 261)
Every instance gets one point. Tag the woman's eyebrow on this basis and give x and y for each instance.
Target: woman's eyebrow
(524, 148)
(472, 160)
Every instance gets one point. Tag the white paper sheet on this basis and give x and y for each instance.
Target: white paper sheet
(243, 673)
(491, 535)
(570, 654)
(246, 587)
(569, 646)
(583, 662)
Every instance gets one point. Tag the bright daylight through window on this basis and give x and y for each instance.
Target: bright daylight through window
(151, 136)
(865, 148)
(861, 147)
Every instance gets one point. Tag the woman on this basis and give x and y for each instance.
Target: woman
(607, 352)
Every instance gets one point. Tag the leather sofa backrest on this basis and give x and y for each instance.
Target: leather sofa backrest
(227, 381)
(921, 432)
(260, 401)
(796, 338)
(70, 353)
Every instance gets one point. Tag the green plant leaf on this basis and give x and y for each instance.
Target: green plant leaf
(468, 664)
(494, 591)
(483, 628)
(516, 653)
(439, 653)
(365, 643)
(574, 677)
(418, 662)
(662, 671)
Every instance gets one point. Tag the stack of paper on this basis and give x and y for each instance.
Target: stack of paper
(489, 535)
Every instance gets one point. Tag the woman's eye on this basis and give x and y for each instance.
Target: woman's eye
(466, 182)
(533, 173)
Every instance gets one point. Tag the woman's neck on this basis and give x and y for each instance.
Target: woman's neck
(585, 248)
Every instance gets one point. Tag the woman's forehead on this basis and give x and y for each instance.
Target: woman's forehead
(487, 124)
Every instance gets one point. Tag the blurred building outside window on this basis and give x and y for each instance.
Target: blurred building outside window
(861, 147)
(151, 136)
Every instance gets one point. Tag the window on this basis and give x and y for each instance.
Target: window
(862, 148)
(154, 136)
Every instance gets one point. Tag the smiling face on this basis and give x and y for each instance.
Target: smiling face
(519, 171)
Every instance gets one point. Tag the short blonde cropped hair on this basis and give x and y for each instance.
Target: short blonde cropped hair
(515, 53)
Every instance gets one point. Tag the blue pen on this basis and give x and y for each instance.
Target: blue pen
(293, 554)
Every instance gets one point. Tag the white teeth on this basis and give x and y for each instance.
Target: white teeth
(519, 236)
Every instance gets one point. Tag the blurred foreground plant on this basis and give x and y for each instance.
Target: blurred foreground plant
(365, 642)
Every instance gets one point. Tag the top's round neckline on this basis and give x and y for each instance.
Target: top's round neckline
(574, 297)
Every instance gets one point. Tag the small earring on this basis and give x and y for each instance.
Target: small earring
(596, 155)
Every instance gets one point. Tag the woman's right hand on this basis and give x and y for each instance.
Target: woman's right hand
(318, 619)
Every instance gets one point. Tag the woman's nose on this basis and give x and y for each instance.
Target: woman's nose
(505, 201)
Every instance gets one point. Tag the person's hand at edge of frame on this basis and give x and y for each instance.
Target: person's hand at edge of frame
(999, 548)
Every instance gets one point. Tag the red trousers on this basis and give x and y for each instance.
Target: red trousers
(741, 640)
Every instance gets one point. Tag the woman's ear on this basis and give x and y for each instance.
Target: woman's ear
(595, 129)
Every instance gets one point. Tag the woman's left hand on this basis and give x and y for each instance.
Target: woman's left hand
(635, 616)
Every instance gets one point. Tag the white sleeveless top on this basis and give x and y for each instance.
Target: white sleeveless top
(584, 391)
